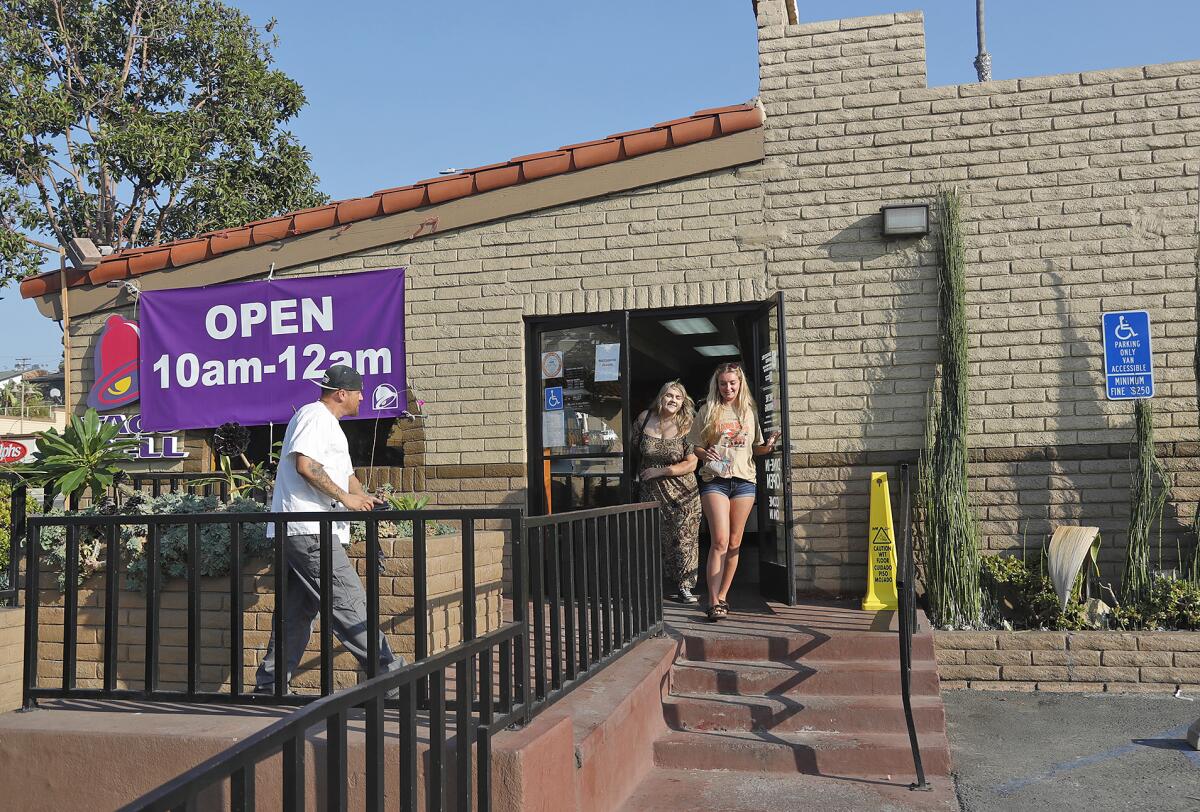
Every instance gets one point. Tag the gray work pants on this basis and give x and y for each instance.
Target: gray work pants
(303, 603)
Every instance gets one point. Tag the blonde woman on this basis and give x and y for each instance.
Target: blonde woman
(726, 438)
(665, 468)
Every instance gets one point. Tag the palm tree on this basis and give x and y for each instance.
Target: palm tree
(983, 60)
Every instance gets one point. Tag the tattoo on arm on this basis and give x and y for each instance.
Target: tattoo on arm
(317, 476)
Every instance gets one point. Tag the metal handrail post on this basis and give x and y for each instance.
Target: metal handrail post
(906, 613)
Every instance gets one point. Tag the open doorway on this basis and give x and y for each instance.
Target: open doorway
(589, 376)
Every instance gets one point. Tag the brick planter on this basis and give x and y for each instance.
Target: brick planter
(1069, 661)
(395, 605)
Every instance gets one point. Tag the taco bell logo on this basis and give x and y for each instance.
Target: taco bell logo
(385, 397)
(150, 446)
(116, 362)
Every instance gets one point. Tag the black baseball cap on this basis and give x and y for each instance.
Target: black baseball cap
(340, 376)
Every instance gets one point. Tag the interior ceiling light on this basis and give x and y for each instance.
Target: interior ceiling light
(718, 350)
(689, 327)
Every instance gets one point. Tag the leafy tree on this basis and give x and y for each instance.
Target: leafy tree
(135, 122)
(24, 397)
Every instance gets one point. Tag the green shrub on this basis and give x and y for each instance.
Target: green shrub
(5, 518)
(1172, 604)
(1020, 592)
(173, 544)
(404, 527)
(215, 557)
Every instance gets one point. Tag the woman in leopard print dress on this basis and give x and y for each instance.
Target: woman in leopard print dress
(666, 475)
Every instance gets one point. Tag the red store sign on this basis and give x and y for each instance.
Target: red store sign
(15, 450)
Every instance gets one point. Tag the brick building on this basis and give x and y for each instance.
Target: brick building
(754, 231)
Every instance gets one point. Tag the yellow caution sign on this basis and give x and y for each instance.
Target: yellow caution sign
(881, 546)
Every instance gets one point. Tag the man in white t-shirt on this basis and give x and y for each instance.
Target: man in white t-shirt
(315, 475)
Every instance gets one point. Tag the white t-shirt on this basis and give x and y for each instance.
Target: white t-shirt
(315, 433)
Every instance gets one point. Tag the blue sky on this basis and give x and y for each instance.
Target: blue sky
(400, 90)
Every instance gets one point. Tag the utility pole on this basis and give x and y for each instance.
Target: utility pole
(983, 60)
(22, 365)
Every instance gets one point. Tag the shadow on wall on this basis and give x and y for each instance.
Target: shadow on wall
(1083, 483)
(870, 399)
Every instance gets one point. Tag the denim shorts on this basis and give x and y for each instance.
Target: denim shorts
(732, 487)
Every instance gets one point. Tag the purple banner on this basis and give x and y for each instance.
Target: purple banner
(250, 352)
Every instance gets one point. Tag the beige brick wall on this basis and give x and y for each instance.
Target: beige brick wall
(687, 242)
(12, 647)
(1069, 661)
(1081, 196)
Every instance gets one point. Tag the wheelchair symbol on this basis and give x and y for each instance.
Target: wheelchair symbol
(554, 398)
(1123, 331)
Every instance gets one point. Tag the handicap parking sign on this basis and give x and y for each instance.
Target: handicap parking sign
(1128, 359)
(554, 398)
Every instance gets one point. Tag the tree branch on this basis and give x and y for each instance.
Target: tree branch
(72, 64)
(162, 215)
(38, 243)
(135, 22)
(47, 203)
(138, 205)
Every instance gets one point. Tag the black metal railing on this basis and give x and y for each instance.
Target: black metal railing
(585, 587)
(9, 574)
(480, 708)
(595, 585)
(108, 531)
(907, 614)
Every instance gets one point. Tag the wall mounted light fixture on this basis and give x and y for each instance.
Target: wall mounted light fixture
(905, 220)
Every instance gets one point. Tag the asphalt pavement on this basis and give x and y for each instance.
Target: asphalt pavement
(1093, 752)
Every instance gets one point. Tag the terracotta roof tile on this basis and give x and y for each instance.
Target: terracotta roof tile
(587, 143)
(272, 230)
(646, 141)
(596, 153)
(314, 219)
(533, 156)
(496, 176)
(727, 109)
(222, 242)
(544, 164)
(451, 187)
(703, 125)
(359, 208)
(403, 198)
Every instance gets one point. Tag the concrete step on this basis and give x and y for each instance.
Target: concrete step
(859, 714)
(807, 752)
(674, 790)
(810, 678)
(718, 645)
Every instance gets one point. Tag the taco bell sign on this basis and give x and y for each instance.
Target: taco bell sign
(251, 352)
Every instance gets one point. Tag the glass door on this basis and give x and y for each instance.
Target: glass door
(577, 410)
(776, 553)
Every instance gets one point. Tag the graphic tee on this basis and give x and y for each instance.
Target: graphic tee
(736, 438)
(314, 432)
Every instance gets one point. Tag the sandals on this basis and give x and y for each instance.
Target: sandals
(718, 611)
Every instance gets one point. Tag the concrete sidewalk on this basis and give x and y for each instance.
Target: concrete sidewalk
(1072, 751)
